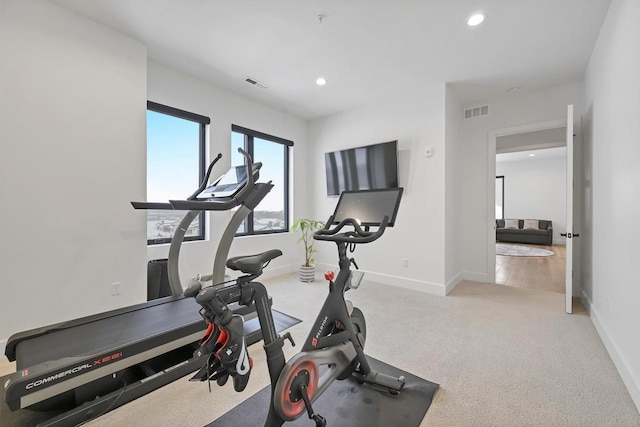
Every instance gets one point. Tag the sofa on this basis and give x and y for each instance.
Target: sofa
(532, 231)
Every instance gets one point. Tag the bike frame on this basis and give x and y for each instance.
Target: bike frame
(297, 382)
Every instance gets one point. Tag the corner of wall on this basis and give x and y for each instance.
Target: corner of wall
(451, 284)
(629, 377)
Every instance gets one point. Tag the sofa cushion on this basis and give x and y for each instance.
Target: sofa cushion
(531, 223)
(511, 223)
(545, 224)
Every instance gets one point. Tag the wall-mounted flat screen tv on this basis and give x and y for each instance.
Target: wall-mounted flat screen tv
(363, 168)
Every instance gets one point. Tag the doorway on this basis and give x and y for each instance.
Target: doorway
(530, 163)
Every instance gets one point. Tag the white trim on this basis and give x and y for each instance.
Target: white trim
(272, 272)
(586, 302)
(451, 284)
(630, 379)
(492, 136)
(413, 284)
(401, 282)
(473, 276)
(569, 213)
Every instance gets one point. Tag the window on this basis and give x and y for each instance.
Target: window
(499, 197)
(272, 214)
(175, 168)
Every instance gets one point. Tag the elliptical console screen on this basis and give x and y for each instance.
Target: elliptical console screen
(369, 206)
(228, 185)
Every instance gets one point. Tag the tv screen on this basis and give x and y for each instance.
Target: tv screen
(371, 167)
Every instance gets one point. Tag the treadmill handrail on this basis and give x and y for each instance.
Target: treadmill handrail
(203, 185)
(152, 205)
(191, 203)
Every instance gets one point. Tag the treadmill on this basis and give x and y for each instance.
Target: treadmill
(82, 368)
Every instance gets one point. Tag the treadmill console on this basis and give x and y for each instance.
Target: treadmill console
(230, 183)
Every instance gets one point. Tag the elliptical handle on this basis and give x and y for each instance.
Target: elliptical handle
(205, 181)
(248, 188)
(358, 235)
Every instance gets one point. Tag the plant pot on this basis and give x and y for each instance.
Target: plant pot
(307, 274)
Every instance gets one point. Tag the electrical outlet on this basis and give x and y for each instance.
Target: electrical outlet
(115, 289)
(405, 262)
(607, 303)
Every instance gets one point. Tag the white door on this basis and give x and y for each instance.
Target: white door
(569, 234)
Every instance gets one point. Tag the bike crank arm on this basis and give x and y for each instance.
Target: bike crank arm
(392, 384)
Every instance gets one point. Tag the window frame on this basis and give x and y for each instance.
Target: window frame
(203, 122)
(249, 135)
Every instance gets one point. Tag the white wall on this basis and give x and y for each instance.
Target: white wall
(453, 176)
(417, 122)
(177, 89)
(535, 188)
(72, 142)
(510, 111)
(611, 287)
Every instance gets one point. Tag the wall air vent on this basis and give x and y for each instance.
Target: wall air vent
(482, 110)
(255, 82)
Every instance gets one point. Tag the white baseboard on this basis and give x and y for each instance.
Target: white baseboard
(629, 377)
(476, 277)
(451, 284)
(401, 282)
(271, 272)
(586, 302)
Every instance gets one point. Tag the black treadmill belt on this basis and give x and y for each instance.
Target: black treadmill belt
(110, 333)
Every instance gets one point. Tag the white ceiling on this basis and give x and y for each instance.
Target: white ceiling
(545, 153)
(366, 49)
(527, 141)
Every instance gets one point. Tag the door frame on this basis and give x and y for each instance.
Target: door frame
(491, 185)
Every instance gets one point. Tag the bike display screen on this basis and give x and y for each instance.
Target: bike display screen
(368, 207)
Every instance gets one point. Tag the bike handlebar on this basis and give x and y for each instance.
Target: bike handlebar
(358, 235)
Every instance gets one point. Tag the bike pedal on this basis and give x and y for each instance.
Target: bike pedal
(320, 420)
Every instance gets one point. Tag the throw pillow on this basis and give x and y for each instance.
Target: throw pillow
(531, 223)
(510, 223)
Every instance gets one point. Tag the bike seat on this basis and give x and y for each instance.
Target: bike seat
(252, 264)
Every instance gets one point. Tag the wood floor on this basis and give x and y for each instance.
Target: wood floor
(541, 273)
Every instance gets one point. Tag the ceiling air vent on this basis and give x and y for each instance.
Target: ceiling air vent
(255, 82)
(479, 111)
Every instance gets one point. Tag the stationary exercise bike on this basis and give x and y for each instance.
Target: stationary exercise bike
(334, 349)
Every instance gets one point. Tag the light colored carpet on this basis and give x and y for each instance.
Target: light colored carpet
(504, 356)
(516, 250)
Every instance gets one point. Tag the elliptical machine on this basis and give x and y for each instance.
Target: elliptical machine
(334, 348)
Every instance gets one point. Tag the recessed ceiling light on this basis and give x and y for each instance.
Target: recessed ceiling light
(321, 81)
(475, 20)
(532, 155)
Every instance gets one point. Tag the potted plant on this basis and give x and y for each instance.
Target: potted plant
(307, 227)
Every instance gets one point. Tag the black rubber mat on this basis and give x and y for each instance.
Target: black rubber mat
(347, 403)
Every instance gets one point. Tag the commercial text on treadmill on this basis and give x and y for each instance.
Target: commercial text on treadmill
(74, 370)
